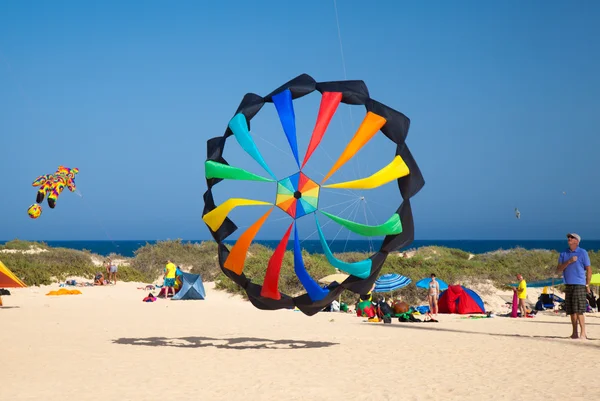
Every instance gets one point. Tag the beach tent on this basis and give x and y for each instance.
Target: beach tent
(8, 278)
(191, 287)
(461, 300)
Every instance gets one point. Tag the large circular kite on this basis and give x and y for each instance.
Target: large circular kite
(298, 194)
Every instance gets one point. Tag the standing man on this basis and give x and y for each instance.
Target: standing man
(170, 274)
(521, 294)
(574, 264)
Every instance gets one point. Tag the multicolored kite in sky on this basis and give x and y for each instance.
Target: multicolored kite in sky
(51, 185)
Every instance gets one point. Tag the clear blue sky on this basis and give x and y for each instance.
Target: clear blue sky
(503, 99)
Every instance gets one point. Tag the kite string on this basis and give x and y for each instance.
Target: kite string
(287, 154)
(337, 20)
(339, 31)
(364, 205)
(355, 211)
(324, 225)
(354, 218)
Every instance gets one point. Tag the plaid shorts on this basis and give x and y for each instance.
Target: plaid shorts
(575, 299)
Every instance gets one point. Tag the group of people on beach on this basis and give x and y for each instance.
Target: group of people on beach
(111, 274)
(433, 295)
(575, 267)
(573, 263)
(169, 277)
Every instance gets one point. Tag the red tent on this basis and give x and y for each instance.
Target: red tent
(461, 300)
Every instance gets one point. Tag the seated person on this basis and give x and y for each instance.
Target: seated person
(99, 279)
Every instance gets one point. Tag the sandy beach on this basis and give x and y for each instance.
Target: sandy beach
(107, 344)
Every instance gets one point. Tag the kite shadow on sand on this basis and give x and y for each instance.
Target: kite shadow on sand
(229, 343)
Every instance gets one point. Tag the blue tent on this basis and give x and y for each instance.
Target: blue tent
(191, 287)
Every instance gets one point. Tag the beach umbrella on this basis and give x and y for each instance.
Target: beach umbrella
(424, 283)
(335, 278)
(339, 278)
(390, 282)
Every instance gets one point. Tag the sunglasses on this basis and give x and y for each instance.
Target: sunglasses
(570, 237)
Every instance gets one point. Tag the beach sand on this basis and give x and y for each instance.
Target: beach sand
(106, 344)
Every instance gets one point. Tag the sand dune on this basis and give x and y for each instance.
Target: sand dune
(107, 344)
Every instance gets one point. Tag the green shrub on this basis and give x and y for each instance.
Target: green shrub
(197, 258)
(23, 245)
(57, 264)
(450, 265)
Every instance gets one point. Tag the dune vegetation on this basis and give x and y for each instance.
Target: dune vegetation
(47, 264)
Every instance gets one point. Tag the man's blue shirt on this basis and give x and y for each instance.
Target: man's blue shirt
(575, 272)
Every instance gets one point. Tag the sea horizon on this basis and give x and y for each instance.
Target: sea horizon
(127, 248)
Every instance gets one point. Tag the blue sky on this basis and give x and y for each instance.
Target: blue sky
(502, 97)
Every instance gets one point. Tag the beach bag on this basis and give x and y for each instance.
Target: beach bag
(385, 309)
(149, 298)
(591, 299)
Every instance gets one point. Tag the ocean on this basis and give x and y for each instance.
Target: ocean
(128, 248)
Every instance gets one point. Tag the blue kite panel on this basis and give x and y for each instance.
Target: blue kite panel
(294, 179)
(360, 269)
(314, 291)
(285, 108)
(239, 127)
(300, 210)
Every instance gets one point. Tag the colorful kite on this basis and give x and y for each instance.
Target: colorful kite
(51, 185)
(298, 194)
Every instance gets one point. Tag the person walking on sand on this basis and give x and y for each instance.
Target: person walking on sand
(170, 274)
(433, 294)
(521, 294)
(574, 264)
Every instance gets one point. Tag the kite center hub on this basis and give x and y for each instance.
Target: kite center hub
(297, 195)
